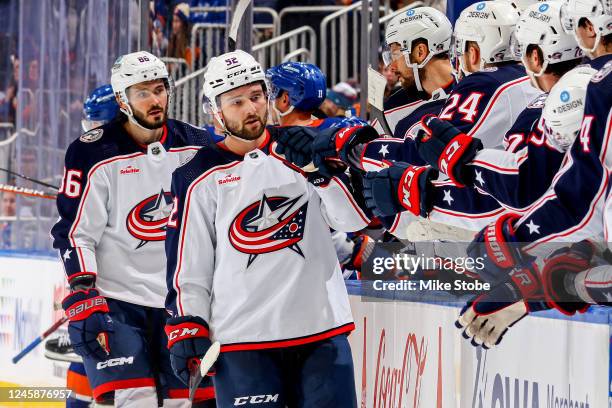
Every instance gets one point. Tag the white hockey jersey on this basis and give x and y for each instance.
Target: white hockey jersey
(250, 250)
(114, 204)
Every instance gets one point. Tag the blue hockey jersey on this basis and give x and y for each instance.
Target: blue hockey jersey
(575, 206)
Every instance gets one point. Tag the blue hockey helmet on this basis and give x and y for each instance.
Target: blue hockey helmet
(101, 105)
(305, 84)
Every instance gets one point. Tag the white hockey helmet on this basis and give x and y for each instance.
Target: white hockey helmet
(598, 12)
(521, 5)
(491, 25)
(134, 68)
(418, 23)
(540, 24)
(564, 107)
(226, 72)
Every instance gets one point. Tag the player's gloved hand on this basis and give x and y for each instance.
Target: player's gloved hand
(559, 272)
(89, 323)
(333, 151)
(447, 149)
(399, 188)
(486, 318)
(496, 246)
(295, 144)
(188, 341)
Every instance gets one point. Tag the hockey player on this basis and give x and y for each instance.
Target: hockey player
(576, 207)
(416, 48)
(114, 204)
(484, 105)
(99, 108)
(519, 284)
(520, 174)
(251, 262)
(297, 90)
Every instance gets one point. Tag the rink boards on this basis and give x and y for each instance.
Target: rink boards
(406, 354)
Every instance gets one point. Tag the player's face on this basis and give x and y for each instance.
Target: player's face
(399, 67)
(245, 111)
(149, 102)
(9, 204)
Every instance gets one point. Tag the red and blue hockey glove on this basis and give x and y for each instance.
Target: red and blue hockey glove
(188, 341)
(89, 323)
(486, 318)
(447, 149)
(496, 246)
(399, 188)
(339, 148)
(559, 271)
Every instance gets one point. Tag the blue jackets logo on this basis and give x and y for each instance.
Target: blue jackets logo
(269, 225)
(147, 220)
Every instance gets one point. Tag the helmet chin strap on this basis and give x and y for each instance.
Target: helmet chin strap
(279, 113)
(415, 69)
(590, 51)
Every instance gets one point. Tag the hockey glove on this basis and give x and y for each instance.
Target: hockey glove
(496, 246)
(295, 144)
(560, 270)
(89, 323)
(486, 318)
(399, 188)
(340, 148)
(188, 341)
(447, 149)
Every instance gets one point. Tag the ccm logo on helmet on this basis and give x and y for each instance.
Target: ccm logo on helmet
(115, 362)
(233, 74)
(255, 399)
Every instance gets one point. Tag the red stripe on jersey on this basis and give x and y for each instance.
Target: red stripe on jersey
(201, 394)
(121, 385)
(290, 342)
(396, 221)
(470, 216)
(505, 170)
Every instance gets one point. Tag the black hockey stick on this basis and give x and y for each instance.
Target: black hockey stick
(42, 183)
(241, 7)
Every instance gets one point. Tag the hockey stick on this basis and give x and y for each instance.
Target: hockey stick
(26, 191)
(198, 370)
(241, 7)
(42, 183)
(39, 339)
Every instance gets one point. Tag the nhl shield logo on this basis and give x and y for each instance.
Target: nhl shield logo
(92, 135)
(269, 225)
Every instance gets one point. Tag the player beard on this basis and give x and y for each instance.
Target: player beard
(240, 130)
(151, 124)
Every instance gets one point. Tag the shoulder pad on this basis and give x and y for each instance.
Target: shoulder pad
(538, 103)
(92, 136)
(602, 73)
